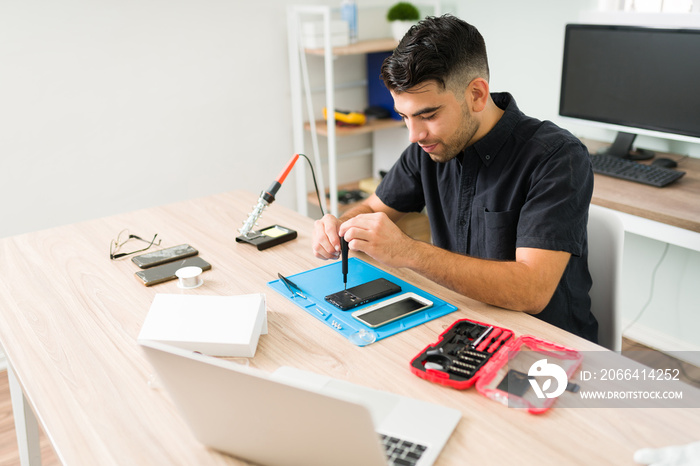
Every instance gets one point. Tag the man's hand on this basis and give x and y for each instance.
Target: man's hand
(378, 236)
(326, 242)
(326, 237)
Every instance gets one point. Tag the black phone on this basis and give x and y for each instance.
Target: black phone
(153, 258)
(165, 272)
(363, 294)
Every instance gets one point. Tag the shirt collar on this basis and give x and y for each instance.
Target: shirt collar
(488, 147)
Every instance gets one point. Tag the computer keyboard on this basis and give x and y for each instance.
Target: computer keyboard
(633, 171)
(401, 452)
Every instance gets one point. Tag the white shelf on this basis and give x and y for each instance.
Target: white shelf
(301, 97)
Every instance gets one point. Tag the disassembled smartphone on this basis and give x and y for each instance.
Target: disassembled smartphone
(363, 294)
(154, 258)
(392, 309)
(165, 272)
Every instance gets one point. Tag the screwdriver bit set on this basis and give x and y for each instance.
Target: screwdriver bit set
(463, 350)
(474, 353)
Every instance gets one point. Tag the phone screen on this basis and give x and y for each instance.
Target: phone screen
(392, 310)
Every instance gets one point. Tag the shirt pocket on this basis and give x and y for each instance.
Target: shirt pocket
(496, 233)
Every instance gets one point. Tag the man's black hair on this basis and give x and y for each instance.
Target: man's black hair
(445, 49)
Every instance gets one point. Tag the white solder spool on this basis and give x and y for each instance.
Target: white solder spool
(189, 277)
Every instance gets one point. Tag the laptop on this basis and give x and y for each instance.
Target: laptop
(295, 417)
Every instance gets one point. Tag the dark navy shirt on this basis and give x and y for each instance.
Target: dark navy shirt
(527, 183)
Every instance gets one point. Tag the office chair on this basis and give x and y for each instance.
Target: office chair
(605, 243)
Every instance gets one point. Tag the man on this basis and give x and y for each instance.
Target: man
(507, 195)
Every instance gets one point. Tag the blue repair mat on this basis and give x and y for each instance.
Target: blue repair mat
(317, 283)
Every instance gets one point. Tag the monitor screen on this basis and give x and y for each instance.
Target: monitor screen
(635, 77)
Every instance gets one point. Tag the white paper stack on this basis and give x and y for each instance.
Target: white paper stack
(213, 325)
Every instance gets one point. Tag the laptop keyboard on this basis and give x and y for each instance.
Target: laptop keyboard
(401, 452)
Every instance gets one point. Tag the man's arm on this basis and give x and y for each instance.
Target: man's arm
(526, 284)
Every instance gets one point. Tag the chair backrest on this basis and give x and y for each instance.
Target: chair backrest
(605, 244)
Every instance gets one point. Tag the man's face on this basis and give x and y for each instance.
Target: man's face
(439, 121)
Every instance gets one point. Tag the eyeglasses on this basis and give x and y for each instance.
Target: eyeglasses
(122, 238)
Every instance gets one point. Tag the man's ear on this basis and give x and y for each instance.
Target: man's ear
(477, 94)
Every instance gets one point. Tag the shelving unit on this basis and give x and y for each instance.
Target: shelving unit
(365, 46)
(300, 91)
(369, 127)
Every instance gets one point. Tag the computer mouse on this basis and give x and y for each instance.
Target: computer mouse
(666, 163)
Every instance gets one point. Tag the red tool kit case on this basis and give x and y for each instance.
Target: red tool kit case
(524, 372)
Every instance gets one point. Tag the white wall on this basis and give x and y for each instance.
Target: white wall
(662, 301)
(111, 106)
(524, 41)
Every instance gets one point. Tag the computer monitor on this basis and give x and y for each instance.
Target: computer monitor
(635, 80)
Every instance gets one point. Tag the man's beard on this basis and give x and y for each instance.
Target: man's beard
(460, 140)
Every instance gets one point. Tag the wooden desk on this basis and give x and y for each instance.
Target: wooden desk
(69, 318)
(677, 205)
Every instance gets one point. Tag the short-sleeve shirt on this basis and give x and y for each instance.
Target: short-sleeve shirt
(526, 184)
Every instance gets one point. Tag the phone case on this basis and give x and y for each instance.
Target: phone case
(502, 367)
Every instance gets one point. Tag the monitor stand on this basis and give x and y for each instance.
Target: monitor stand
(622, 147)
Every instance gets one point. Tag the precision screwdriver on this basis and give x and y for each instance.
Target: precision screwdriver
(344, 253)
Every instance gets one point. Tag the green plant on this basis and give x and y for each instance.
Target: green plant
(403, 11)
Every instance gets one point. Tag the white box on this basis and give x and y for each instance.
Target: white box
(213, 325)
(312, 34)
